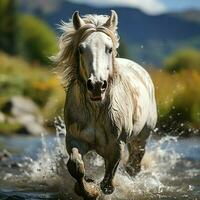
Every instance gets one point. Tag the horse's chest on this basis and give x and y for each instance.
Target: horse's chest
(87, 123)
(90, 132)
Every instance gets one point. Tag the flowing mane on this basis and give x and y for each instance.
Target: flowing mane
(67, 60)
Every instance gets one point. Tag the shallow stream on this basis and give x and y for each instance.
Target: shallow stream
(36, 170)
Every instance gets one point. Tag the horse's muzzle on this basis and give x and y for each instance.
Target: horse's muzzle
(97, 89)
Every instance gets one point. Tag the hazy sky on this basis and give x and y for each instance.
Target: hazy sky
(148, 6)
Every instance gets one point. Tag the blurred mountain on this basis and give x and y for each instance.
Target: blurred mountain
(190, 15)
(149, 39)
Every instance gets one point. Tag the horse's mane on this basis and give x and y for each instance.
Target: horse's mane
(67, 60)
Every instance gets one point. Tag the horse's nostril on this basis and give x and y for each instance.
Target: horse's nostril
(89, 85)
(104, 86)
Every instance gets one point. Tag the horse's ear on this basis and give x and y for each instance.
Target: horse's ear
(112, 20)
(77, 21)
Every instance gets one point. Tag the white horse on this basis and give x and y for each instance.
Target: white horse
(109, 100)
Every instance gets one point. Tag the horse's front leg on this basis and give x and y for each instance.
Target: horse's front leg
(76, 168)
(112, 159)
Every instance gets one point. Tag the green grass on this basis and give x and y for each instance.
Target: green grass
(9, 128)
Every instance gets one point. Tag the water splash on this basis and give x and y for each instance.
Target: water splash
(48, 170)
(163, 166)
(157, 162)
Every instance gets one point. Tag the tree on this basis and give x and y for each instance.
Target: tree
(38, 41)
(8, 26)
(183, 59)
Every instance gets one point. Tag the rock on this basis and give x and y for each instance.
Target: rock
(6, 160)
(2, 117)
(26, 113)
(5, 155)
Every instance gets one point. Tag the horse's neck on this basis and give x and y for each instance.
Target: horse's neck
(78, 93)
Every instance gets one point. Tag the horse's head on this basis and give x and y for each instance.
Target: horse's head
(96, 53)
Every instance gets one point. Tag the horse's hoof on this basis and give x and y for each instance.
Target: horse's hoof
(89, 191)
(107, 188)
(87, 179)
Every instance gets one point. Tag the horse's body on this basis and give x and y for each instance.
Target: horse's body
(123, 115)
(109, 118)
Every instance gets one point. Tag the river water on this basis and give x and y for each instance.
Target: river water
(36, 170)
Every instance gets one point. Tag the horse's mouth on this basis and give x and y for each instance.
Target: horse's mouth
(96, 98)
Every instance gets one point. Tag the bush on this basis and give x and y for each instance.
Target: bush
(25, 35)
(17, 77)
(178, 95)
(184, 59)
(37, 40)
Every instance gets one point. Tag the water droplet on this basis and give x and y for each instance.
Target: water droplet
(191, 187)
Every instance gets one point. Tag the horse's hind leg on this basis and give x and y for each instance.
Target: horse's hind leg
(136, 153)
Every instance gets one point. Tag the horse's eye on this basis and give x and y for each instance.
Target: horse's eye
(81, 49)
(110, 50)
